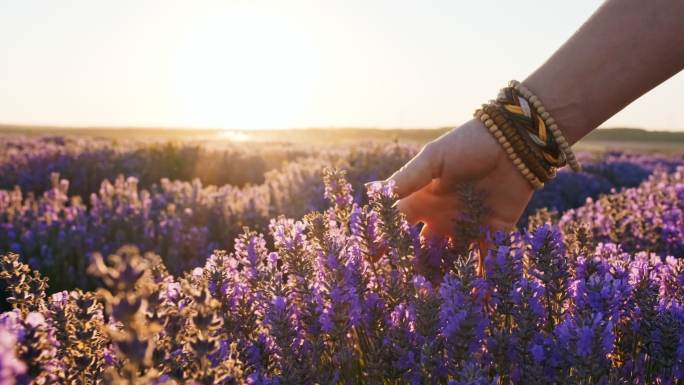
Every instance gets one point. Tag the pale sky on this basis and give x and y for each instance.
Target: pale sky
(282, 64)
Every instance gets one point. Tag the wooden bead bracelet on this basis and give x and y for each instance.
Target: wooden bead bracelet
(522, 145)
(532, 127)
(550, 123)
(528, 134)
(510, 151)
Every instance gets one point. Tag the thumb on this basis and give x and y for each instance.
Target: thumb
(418, 172)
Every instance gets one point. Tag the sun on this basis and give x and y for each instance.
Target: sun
(245, 68)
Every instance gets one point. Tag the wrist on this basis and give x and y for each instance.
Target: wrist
(564, 102)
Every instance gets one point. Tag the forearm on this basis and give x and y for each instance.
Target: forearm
(624, 50)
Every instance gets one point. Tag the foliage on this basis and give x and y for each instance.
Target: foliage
(343, 296)
(182, 201)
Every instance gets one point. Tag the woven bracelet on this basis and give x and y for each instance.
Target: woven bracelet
(548, 121)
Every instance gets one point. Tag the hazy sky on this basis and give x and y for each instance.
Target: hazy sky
(244, 64)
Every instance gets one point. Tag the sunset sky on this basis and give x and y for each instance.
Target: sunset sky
(282, 64)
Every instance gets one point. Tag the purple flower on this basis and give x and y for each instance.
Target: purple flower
(562, 332)
(273, 259)
(352, 287)
(10, 366)
(171, 292)
(381, 189)
(288, 234)
(35, 319)
(279, 303)
(197, 272)
(585, 339)
(537, 352)
(326, 321)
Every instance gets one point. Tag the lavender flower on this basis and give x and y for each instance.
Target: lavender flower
(348, 294)
(11, 368)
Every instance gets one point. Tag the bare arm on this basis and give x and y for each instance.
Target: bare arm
(625, 49)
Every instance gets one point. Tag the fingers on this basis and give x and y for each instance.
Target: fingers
(407, 207)
(427, 232)
(418, 172)
(420, 204)
(436, 230)
(415, 206)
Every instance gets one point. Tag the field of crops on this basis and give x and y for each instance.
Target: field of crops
(129, 262)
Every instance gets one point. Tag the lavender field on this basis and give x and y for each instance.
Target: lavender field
(129, 262)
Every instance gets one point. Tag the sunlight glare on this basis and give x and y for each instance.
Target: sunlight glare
(245, 68)
(234, 136)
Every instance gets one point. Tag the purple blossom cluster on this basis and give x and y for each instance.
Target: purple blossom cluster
(71, 200)
(647, 218)
(352, 295)
(184, 222)
(28, 162)
(602, 173)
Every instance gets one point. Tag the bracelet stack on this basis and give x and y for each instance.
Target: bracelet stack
(549, 121)
(527, 132)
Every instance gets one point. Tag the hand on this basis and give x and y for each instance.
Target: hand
(428, 185)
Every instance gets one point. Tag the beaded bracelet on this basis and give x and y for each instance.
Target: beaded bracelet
(532, 127)
(549, 121)
(521, 144)
(530, 137)
(501, 138)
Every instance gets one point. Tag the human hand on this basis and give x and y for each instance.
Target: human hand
(428, 185)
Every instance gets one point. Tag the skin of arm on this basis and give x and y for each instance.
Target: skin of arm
(626, 48)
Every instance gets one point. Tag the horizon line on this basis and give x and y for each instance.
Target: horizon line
(48, 127)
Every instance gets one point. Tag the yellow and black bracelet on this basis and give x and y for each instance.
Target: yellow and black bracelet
(522, 144)
(527, 120)
(545, 120)
(528, 134)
